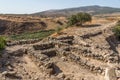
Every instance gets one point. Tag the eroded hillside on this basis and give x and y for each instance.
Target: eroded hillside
(86, 53)
(21, 24)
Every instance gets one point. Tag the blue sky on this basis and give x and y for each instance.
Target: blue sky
(32, 6)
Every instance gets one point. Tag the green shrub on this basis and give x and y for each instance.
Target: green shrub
(118, 22)
(58, 29)
(116, 31)
(34, 35)
(79, 18)
(72, 20)
(2, 43)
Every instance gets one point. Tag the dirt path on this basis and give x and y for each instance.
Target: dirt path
(88, 30)
(32, 69)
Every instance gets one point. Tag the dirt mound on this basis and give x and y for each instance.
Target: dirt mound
(11, 24)
(12, 27)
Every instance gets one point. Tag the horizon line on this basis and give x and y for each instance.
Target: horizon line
(53, 10)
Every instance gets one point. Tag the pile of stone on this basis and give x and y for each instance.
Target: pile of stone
(113, 58)
(66, 39)
(44, 46)
(85, 63)
(42, 60)
(22, 42)
(19, 52)
(67, 53)
(97, 52)
(72, 49)
(42, 52)
(88, 53)
(91, 34)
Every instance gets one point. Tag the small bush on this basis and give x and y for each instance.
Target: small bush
(2, 44)
(116, 31)
(58, 29)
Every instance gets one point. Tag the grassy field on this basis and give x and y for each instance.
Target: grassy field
(34, 35)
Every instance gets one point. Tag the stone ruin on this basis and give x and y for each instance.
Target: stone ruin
(74, 49)
(93, 58)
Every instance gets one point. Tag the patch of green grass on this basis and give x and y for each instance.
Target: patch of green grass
(2, 42)
(35, 35)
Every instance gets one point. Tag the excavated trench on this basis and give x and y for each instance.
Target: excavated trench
(66, 57)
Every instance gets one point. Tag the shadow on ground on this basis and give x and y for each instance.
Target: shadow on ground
(91, 25)
(113, 42)
(6, 62)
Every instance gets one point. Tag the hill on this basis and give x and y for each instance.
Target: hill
(69, 11)
(14, 24)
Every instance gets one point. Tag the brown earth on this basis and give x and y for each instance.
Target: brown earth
(11, 24)
(20, 24)
(79, 53)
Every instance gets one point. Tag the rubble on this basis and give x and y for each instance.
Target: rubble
(62, 58)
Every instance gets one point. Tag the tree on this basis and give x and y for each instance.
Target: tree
(72, 20)
(79, 18)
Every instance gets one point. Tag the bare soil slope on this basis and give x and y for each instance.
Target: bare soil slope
(79, 54)
(20, 24)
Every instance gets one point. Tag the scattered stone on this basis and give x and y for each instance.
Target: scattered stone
(49, 53)
(18, 52)
(10, 68)
(110, 74)
(43, 46)
(61, 76)
(64, 37)
(22, 42)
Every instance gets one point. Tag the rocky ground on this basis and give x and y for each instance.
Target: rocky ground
(87, 53)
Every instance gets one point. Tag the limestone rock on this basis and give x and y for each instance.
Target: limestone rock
(110, 74)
